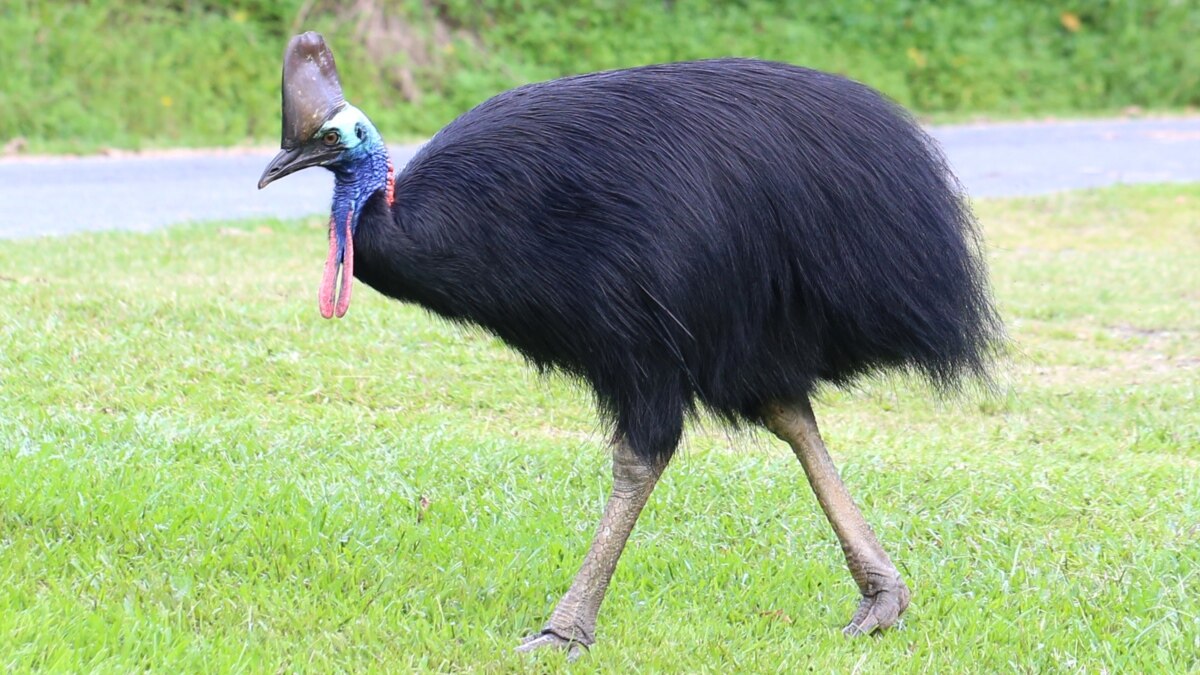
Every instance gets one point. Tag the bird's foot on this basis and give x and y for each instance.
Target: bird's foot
(879, 610)
(552, 638)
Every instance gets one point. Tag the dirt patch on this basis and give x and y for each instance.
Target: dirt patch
(387, 35)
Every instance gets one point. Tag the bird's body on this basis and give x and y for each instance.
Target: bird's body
(723, 235)
(724, 232)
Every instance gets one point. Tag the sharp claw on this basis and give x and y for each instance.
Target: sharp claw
(547, 638)
(859, 627)
(535, 641)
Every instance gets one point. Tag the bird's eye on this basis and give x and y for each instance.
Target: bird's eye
(330, 138)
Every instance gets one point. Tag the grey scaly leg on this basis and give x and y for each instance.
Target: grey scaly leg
(572, 626)
(884, 595)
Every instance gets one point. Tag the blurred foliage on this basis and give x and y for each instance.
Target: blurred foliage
(206, 72)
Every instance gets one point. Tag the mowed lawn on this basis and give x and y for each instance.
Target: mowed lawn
(198, 473)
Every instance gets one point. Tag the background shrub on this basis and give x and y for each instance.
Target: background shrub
(206, 72)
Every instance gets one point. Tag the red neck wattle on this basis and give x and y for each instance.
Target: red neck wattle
(325, 297)
(390, 190)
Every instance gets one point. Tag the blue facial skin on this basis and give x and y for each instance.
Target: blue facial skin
(359, 171)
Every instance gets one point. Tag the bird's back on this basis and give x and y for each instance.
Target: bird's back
(728, 230)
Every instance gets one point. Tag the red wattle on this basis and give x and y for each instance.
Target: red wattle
(325, 295)
(390, 191)
(343, 302)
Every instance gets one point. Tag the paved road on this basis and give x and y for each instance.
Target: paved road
(55, 196)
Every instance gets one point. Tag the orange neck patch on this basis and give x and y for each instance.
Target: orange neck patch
(391, 184)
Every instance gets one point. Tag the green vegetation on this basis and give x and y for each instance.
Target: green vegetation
(206, 72)
(198, 473)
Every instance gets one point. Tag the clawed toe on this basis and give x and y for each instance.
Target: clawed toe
(550, 639)
(879, 611)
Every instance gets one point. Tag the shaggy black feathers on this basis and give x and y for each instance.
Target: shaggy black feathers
(725, 233)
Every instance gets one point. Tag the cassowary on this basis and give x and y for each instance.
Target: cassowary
(722, 235)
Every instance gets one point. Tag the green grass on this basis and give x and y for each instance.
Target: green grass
(197, 473)
(79, 76)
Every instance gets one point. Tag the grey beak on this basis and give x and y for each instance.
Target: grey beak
(294, 159)
(281, 165)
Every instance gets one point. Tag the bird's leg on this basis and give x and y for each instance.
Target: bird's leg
(572, 626)
(884, 595)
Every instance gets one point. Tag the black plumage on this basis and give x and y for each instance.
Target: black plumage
(722, 233)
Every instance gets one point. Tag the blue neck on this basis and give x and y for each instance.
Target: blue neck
(356, 178)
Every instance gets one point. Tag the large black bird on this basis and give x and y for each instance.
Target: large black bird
(721, 235)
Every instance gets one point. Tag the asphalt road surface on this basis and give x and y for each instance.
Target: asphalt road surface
(43, 196)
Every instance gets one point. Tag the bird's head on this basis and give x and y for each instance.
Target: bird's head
(321, 129)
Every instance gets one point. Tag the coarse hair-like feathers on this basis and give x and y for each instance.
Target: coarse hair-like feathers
(722, 233)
